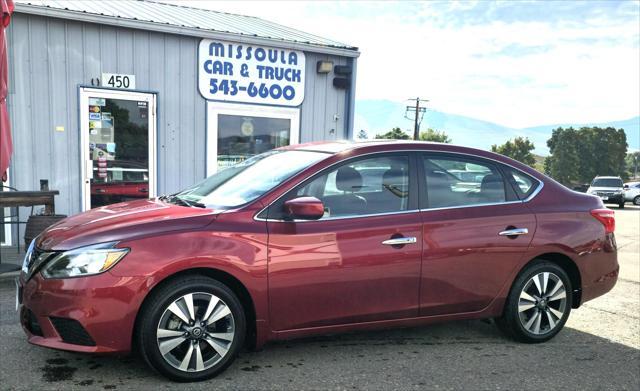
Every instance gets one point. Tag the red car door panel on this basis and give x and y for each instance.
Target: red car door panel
(338, 267)
(341, 272)
(469, 205)
(465, 260)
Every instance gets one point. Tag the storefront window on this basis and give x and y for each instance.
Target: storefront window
(242, 136)
(236, 132)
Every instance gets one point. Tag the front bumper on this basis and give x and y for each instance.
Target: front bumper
(612, 199)
(94, 314)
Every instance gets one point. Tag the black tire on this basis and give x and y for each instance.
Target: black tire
(510, 322)
(36, 224)
(636, 201)
(155, 307)
(621, 205)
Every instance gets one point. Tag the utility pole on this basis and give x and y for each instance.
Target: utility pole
(417, 118)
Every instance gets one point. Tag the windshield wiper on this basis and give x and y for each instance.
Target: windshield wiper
(174, 198)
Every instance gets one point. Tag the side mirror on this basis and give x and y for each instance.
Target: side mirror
(308, 208)
(626, 187)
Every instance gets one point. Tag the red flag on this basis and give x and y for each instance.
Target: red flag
(6, 146)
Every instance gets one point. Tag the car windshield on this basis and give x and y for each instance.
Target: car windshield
(248, 180)
(607, 182)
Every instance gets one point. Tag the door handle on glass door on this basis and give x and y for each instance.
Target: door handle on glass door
(88, 164)
(514, 232)
(399, 241)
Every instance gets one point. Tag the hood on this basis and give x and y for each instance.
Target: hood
(126, 220)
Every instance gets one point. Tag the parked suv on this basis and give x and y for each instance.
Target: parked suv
(314, 239)
(632, 192)
(609, 189)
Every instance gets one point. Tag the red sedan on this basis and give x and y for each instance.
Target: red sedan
(318, 238)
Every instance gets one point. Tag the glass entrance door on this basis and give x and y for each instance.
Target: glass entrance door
(237, 132)
(118, 146)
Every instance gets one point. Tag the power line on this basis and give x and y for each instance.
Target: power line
(417, 116)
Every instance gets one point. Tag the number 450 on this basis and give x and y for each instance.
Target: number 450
(119, 81)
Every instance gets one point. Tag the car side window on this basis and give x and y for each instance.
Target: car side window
(523, 184)
(457, 181)
(357, 188)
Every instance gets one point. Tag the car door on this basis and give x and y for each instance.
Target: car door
(475, 230)
(361, 261)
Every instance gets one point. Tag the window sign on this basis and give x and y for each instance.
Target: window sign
(250, 74)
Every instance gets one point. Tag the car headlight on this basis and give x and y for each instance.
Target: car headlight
(84, 261)
(27, 256)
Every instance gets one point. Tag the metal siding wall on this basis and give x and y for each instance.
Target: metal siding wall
(170, 167)
(322, 101)
(188, 138)
(156, 83)
(76, 57)
(58, 109)
(50, 57)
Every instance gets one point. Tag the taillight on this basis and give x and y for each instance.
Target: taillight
(607, 218)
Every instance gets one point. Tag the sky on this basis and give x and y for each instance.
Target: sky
(516, 63)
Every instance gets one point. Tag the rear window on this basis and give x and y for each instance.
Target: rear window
(607, 182)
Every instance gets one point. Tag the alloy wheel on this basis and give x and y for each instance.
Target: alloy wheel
(195, 332)
(542, 303)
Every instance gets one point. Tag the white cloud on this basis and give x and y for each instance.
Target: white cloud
(515, 65)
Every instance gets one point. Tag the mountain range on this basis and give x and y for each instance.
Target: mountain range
(380, 116)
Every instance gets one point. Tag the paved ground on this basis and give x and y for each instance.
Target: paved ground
(599, 348)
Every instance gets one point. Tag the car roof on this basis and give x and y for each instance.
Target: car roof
(333, 147)
(363, 147)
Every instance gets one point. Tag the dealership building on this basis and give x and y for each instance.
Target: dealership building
(112, 100)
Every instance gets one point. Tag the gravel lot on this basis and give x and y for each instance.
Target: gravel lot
(599, 348)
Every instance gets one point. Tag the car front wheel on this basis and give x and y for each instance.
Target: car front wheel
(636, 201)
(539, 303)
(191, 329)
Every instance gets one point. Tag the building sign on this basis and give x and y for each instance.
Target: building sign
(234, 72)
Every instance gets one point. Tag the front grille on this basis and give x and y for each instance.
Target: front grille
(71, 331)
(30, 322)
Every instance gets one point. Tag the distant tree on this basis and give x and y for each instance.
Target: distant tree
(363, 135)
(564, 162)
(632, 162)
(434, 135)
(577, 156)
(519, 149)
(394, 134)
(602, 152)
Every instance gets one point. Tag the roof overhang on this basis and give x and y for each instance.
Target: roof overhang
(180, 30)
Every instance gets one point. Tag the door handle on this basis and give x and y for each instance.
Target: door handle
(399, 241)
(88, 164)
(514, 232)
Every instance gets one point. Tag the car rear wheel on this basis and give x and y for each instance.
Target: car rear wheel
(636, 201)
(191, 329)
(539, 303)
